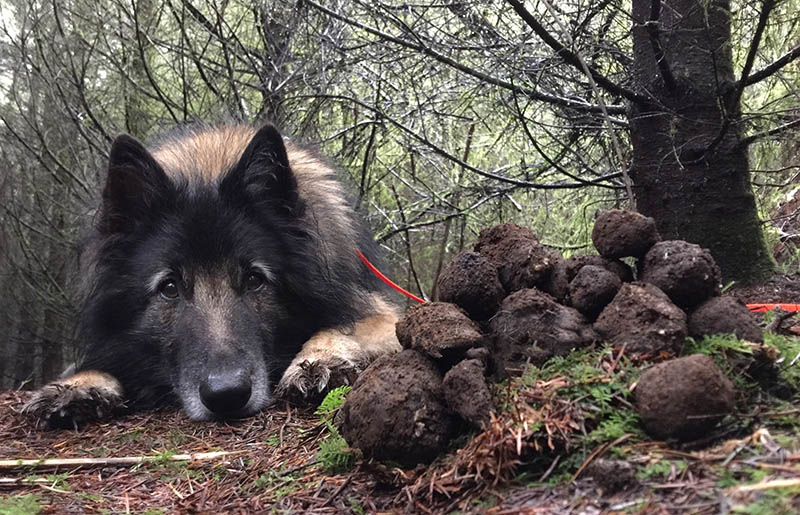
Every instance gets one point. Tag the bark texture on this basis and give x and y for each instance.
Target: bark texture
(690, 170)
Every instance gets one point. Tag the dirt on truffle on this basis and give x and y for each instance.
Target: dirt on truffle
(467, 393)
(532, 327)
(725, 315)
(396, 410)
(440, 330)
(643, 320)
(683, 398)
(620, 233)
(565, 270)
(592, 289)
(686, 272)
(471, 282)
(521, 261)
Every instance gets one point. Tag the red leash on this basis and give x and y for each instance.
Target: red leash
(761, 308)
(386, 279)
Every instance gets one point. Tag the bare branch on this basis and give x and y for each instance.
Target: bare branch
(489, 175)
(751, 52)
(571, 58)
(772, 132)
(652, 26)
(536, 95)
(770, 69)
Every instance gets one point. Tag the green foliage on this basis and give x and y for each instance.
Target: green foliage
(607, 395)
(718, 345)
(279, 483)
(728, 351)
(27, 504)
(334, 454)
(59, 481)
(661, 469)
(333, 400)
(615, 425)
(356, 506)
(789, 348)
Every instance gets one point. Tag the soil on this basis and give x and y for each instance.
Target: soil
(618, 233)
(471, 282)
(565, 270)
(440, 330)
(466, 392)
(532, 327)
(396, 410)
(643, 320)
(684, 271)
(521, 261)
(683, 398)
(592, 289)
(725, 315)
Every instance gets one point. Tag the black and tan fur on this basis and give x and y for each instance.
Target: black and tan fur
(222, 260)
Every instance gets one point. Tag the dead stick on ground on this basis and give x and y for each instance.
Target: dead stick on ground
(106, 462)
(781, 315)
(778, 483)
(599, 452)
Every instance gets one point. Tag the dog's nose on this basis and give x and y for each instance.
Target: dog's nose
(226, 391)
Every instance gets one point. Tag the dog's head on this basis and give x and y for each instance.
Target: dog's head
(196, 271)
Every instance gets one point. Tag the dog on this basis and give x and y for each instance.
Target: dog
(221, 272)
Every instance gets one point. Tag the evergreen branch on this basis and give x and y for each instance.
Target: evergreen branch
(536, 95)
(571, 58)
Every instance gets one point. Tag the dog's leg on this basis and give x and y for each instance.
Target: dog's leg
(335, 357)
(75, 400)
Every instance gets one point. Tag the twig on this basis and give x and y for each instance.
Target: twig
(599, 452)
(338, 490)
(777, 483)
(106, 462)
(550, 469)
(594, 80)
(781, 315)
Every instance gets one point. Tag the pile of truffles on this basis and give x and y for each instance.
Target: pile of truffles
(511, 301)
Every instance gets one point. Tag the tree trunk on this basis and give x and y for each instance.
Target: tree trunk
(690, 170)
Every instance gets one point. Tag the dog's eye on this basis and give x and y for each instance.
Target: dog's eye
(169, 289)
(253, 281)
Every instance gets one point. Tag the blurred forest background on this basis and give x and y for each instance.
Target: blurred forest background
(447, 116)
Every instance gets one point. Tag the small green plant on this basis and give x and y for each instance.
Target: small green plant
(717, 345)
(661, 469)
(778, 501)
(789, 348)
(177, 438)
(333, 401)
(59, 481)
(334, 454)
(20, 505)
(356, 506)
(278, 482)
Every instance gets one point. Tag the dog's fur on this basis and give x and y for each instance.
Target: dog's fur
(219, 261)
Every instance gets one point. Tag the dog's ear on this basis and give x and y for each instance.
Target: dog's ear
(263, 175)
(136, 187)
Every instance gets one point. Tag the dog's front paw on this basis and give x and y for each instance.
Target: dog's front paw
(76, 400)
(308, 381)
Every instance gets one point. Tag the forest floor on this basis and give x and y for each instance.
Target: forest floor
(565, 440)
